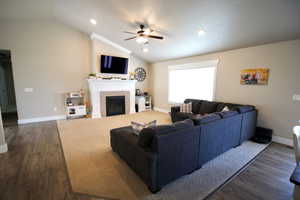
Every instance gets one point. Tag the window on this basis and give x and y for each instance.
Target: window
(194, 81)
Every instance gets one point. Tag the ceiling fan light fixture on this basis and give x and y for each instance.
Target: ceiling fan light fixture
(147, 31)
(141, 40)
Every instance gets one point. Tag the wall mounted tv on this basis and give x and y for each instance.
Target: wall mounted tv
(113, 65)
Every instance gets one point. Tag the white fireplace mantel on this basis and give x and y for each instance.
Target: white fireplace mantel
(99, 85)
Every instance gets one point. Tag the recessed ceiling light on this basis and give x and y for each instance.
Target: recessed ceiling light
(201, 32)
(93, 21)
(145, 49)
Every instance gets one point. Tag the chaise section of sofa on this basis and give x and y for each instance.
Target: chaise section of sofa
(171, 153)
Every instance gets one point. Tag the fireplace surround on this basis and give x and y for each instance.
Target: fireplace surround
(99, 89)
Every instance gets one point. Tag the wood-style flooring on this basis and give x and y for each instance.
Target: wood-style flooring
(34, 169)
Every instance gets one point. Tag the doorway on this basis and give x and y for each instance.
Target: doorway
(7, 90)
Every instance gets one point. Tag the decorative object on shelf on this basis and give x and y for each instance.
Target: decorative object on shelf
(92, 76)
(138, 92)
(257, 76)
(140, 74)
(143, 103)
(131, 75)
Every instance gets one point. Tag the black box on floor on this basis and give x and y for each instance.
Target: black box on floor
(263, 135)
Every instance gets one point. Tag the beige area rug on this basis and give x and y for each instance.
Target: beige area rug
(92, 166)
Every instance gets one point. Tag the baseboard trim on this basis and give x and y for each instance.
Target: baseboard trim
(282, 140)
(160, 110)
(3, 148)
(41, 119)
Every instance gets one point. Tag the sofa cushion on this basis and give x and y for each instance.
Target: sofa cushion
(195, 105)
(226, 114)
(146, 137)
(147, 134)
(166, 129)
(130, 138)
(208, 107)
(179, 116)
(206, 119)
(184, 124)
(246, 108)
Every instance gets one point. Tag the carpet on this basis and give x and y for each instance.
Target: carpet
(92, 166)
(95, 170)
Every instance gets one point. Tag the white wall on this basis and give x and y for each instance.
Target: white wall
(100, 48)
(52, 58)
(49, 57)
(274, 101)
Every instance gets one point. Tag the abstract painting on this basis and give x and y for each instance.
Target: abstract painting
(257, 76)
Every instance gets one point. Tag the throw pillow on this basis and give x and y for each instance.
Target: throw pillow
(137, 127)
(208, 107)
(186, 107)
(225, 109)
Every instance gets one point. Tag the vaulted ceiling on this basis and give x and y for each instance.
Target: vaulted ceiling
(229, 24)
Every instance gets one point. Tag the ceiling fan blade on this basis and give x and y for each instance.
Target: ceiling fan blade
(130, 32)
(156, 37)
(130, 38)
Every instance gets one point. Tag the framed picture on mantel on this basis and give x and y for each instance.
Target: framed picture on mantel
(257, 76)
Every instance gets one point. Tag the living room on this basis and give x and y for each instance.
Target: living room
(179, 100)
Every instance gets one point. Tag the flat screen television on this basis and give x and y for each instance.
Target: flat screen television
(113, 65)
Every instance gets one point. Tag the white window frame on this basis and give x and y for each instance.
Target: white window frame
(202, 64)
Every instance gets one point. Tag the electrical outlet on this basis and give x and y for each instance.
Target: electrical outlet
(28, 89)
(55, 109)
(296, 97)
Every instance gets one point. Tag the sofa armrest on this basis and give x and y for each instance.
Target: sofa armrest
(146, 167)
(114, 136)
(177, 154)
(143, 162)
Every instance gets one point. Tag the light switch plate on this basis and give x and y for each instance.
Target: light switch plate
(28, 89)
(296, 97)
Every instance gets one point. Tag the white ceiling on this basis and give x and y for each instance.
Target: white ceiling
(229, 24)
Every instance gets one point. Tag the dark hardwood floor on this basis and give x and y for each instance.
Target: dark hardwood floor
(34, 169)
(266, 178)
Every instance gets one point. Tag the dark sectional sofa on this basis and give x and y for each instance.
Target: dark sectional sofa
(164, 153)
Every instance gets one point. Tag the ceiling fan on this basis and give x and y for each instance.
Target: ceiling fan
(143, 34)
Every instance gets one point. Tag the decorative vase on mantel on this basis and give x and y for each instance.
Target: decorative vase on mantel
(131, 75)
(92, 76)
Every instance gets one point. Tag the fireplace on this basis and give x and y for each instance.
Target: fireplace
(100, 89)
(115, 105)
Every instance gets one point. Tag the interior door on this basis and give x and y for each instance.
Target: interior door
(3, 91)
